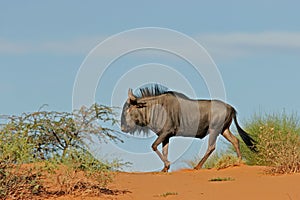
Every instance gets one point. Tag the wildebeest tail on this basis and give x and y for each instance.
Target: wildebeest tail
(250, 142)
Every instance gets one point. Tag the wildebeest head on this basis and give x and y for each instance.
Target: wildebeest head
(132, 115)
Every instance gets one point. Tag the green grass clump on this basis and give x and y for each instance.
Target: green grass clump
(220, 179)
(278, 143)
(166, 194)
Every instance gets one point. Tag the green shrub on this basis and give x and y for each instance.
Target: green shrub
(44, 142)
(278, 142)
(15, 148)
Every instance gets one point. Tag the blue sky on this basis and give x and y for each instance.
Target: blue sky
(255, 45)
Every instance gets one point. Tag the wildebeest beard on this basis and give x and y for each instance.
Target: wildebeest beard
(140, 130)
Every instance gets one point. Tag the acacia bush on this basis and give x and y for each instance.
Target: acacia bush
(54, 133)
(278, 142)
(49, 139)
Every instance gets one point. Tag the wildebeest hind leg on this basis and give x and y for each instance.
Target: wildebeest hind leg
(211, 147)
(234, 141)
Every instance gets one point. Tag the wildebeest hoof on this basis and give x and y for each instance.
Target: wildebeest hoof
(165, 169)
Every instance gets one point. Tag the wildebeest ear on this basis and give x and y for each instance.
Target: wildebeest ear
(131, 97)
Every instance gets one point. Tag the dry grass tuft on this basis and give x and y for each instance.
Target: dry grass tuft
(226, 161)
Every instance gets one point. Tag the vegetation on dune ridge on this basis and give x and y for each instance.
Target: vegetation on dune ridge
(278, 142)
(277, 139)
(35, 145)
(216, 160)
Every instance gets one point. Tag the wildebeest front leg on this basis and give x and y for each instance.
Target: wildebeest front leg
(165, 154)
(164, 157)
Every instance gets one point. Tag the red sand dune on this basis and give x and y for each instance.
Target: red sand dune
(247, 182)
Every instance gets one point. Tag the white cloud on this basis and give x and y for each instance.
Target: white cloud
(230, 45)
(70, 46)
(8, 47)
(245, 44)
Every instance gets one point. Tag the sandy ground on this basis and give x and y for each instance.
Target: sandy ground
(246, 183)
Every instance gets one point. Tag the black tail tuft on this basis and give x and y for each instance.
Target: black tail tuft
(250, 142)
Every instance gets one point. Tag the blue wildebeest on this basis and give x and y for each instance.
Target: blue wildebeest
(169, 114)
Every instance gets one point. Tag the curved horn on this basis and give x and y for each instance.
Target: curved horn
(130, 95)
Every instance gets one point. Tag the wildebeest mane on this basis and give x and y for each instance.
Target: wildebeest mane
(156, 90)
(151, 91)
